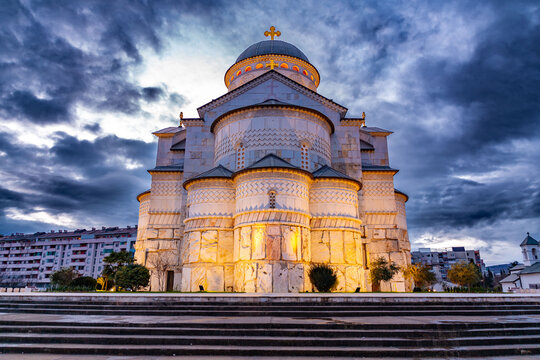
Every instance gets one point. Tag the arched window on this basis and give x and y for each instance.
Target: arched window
(535, 254)
(272, 199)
(240, 157)
(284, 65)
(295, 68)
(305, 72)
(248, 68)
(259, 66)
(238, 73)
(304, 157)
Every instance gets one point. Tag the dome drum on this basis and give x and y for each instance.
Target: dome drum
(294, 68)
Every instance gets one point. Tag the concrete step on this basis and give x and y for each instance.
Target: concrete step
(256, 351)
(261, 331)
(303, 312)
(268, 323)
(266, 341)
(274, 307)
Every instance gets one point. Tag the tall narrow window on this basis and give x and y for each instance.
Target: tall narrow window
(304, 157)
(240, 157)
(272, 199)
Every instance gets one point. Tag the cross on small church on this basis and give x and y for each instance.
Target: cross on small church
(271, 33)
(272, 64)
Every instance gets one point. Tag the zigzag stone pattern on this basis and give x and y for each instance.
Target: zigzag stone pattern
(210, 196)
(271, 139)
(271, 129)
(378, 188)
(166, 188)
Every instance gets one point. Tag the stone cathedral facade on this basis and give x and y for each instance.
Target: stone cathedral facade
(271, 178)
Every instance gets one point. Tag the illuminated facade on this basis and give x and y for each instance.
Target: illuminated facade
(269, 179)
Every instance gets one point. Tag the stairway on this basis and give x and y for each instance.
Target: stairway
(258, 327)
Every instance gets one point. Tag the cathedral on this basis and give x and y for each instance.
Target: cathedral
(271, 178)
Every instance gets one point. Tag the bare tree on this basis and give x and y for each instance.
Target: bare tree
(161, 261)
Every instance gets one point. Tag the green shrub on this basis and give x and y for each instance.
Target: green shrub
(381, 270)
(84, 282)
(63, 277)
(323, 277)
(132, 277)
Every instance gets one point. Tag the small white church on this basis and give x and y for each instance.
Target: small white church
(526, 276)
(270, 178)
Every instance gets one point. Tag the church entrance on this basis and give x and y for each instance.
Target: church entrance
(170, 280)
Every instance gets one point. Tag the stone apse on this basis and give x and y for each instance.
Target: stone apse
(271, 178)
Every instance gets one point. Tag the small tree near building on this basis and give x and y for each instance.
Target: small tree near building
(132, 277)
(114, 262)
(63, 277)
(420, 274)
(464, 274)
(381, 270)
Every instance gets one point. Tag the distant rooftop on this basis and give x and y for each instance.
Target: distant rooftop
(529, 241)
(114, 230)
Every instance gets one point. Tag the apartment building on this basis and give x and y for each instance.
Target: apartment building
(442, 260)
(30, 259)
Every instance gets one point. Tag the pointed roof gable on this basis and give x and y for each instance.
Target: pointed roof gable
(529, 241)
(272, 161)
(326, 172)
(272, 74)
(219, 172)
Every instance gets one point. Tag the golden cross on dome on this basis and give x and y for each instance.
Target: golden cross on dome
(272, 64)
(271, 33)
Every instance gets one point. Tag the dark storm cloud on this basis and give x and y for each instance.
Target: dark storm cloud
(498, 90)
(37, 110)
(43, 74)
(56, 55)
(457, 204)
(500, 83)
(152, 93)
(93, 128)
(77, 177)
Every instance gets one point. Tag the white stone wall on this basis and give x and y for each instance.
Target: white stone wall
(378, 198)
(346, 154)
(329, 197)
(291, 187)
(278, 131)
(199, 153)
(144, 206)
(211, 197)
(207, 255)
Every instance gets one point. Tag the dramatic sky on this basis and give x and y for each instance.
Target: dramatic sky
(84, 83)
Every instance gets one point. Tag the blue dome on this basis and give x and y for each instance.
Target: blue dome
(272, 47)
